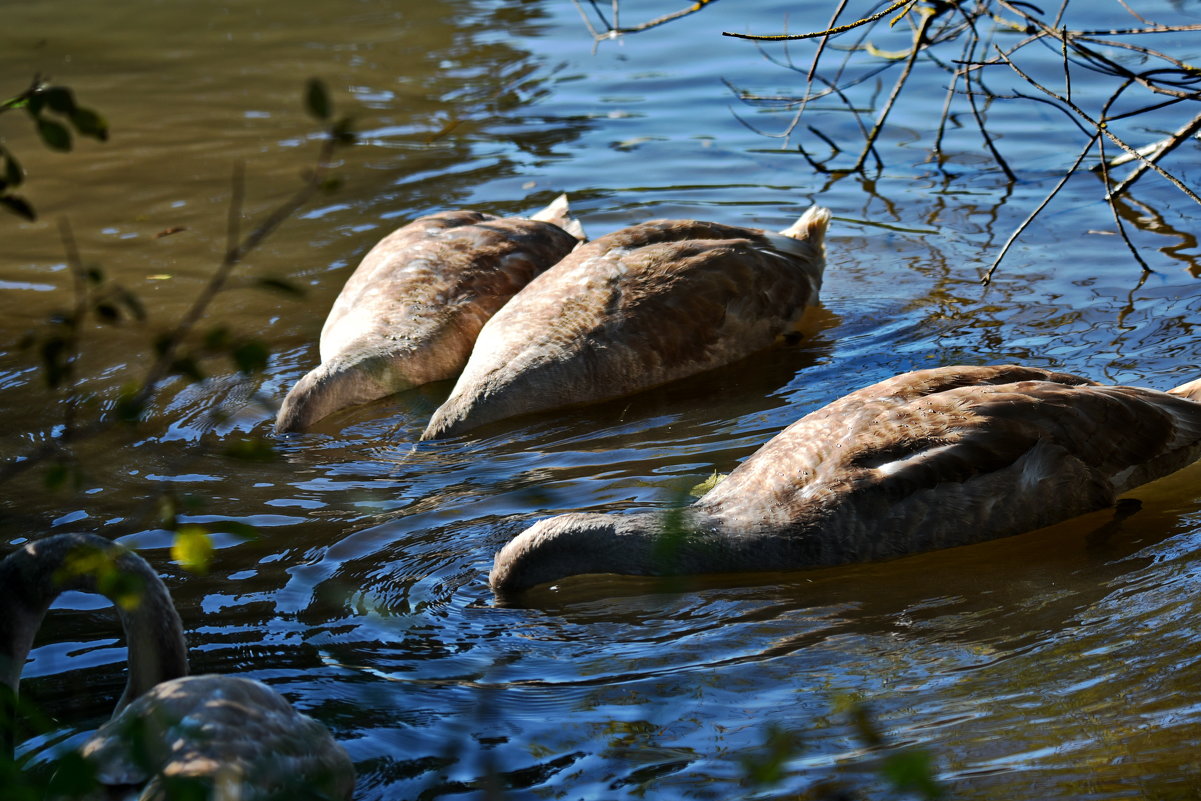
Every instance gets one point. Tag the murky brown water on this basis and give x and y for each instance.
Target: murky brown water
(1059, 664)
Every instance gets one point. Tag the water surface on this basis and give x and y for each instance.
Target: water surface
(1058, 664)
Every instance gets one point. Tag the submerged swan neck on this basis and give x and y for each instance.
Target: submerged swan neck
(36, 573)
(335, 385)
(675, 542)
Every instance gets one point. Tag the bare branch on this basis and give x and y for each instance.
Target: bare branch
(786, 37)
(1157, 152)
(987, 278)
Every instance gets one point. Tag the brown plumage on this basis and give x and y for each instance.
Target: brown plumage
(929, 459)
(232, 736)
(636, 308)
(411, 311)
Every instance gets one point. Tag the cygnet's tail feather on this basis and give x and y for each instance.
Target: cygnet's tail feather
(811, 226)
(1191, 390)
(559, 213)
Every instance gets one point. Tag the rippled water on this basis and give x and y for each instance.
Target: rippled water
(1058, 664)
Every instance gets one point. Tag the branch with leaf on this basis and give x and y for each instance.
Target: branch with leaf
(183, 350)
(54, 113)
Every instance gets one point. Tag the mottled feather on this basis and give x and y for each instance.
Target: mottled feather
(929, 459)
(639, 307)
(411, 311)
(231, 736)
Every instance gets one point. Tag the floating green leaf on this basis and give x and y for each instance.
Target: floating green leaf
(708, 484)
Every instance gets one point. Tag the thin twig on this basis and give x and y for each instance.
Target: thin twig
(987, 279)
(976, 115)
(828, 32)
(1162, 148)
(79, 281)
(1105, 130)
(162, 365)
(1117, 218)
(919, 40)
(1109, 196)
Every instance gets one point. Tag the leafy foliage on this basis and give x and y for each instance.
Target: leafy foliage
(54, 113)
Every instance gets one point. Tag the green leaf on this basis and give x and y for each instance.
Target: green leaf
(280, 285)
(186, 788)
(107, 312)
(35, 104)
(167, 510)
(768, 767)
(131, 302)
(913, 771)
(193, 548)
(54, 135)
(250, 449)
(13, 174)
(129, 407)
(250, 356)
(18, 206)
(217, 338)
(316, 99)
(59, 98)
(88, 123)
(342, 132)
(708, 484)
(57, 475)
(187, 366)
(56, 360)
(74, 777)
(237, 528)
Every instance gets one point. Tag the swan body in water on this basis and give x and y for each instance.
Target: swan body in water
(634, 309)
(412, 309)
(925, 460)
(235, 737)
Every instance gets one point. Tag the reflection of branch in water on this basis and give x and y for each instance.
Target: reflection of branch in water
(1147, 219)
(1119, 66)
(614, 29)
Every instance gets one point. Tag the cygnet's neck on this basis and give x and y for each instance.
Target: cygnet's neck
(675, 542)
(344, 381)
(37, 572)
